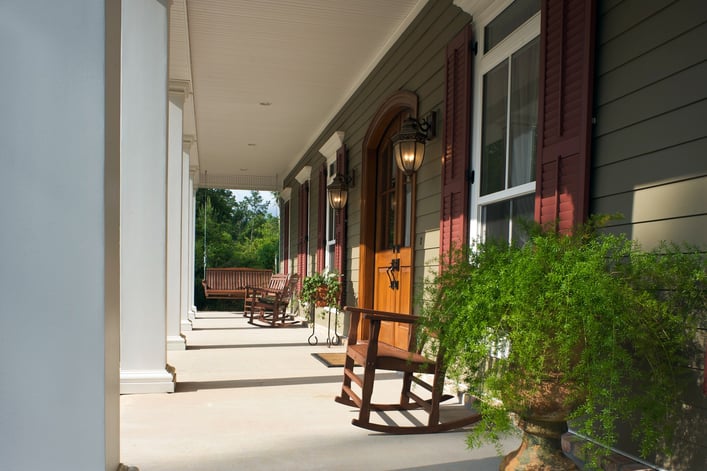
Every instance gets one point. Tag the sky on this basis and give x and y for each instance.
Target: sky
(267, 196)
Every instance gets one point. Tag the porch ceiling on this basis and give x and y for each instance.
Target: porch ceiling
(268, 76)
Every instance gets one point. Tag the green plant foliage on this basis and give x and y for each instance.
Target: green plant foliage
(321, 289)
(591, 312)
(237, 233)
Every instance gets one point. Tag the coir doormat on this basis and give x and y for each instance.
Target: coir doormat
(331, 360)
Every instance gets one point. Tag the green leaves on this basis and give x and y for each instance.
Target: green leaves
(237, 233)
(592, 310)
(321, 289)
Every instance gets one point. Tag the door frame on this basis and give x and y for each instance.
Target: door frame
(398, 102)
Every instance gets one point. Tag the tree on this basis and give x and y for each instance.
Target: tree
(233, 233)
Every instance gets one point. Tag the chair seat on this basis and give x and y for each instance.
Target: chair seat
(392, 358)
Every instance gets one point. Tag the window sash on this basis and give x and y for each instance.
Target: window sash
(500, 54)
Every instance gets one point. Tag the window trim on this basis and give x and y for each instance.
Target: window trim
(329, 257)
(483, 63)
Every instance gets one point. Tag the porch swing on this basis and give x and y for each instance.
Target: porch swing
(233, 282)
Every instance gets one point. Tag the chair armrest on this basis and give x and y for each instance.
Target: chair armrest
(260, 291)
(375, 315)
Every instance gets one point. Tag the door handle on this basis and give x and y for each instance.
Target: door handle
(390, 271)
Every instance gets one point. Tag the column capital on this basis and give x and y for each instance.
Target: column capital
(182, 87)
(187, 141)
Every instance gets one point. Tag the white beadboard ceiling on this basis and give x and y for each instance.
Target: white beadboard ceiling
(268, 75)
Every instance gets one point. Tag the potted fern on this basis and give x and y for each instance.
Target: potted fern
(321, 290)
(560, 328)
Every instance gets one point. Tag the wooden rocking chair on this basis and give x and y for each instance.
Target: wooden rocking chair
(269, 305)
(275, 285)
(376, 355)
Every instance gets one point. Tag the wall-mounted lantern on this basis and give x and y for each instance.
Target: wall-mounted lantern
(409, 143)
(338, 191)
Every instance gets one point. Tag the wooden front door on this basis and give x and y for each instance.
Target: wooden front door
(393, 239)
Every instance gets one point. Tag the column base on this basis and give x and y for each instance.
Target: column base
(176, 342)
(146, 381)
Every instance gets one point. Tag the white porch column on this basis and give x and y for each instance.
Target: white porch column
(59, 404)
(187, 255)
(143, 184)
(192, 241)
(177, 94)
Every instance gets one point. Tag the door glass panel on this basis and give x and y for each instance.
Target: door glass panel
(524, 114)
(390, 233)
(408, 214)
(394, 197)
(493, 139)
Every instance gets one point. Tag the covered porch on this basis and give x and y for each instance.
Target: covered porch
(255, 398)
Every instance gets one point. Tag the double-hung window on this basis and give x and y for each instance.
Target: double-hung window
(330, 222)
(507, 110)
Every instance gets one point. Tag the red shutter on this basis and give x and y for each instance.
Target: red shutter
(454, 221)
(340, 222)
(321, 219)
(303, 239)
(340, 225)
(565, 108)
(286, 238)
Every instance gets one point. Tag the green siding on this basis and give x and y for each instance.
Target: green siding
(415, 63)
(650, 148)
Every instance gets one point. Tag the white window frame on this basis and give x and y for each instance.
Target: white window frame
(330, 219)
(483, 63)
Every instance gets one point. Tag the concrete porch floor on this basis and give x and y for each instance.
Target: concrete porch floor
(255, 398)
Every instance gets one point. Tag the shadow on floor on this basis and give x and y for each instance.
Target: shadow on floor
(192, 386)
(477, 465)
(248, 345)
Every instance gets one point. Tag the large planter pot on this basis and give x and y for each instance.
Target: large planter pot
(543, 420)
(540, 448)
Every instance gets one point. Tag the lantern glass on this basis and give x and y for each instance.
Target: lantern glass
(409, 155)
(337, 192)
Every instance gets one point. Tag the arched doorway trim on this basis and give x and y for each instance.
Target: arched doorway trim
(401, 101)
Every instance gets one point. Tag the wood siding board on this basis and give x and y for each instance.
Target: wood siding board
(678, 54)
(627, 15)
(661, 202)
(606, 5)
(645, 36)
(433, 26)
(662, 132)
(391, 74)
(675, 91)
(650, 233)
(650, 169)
